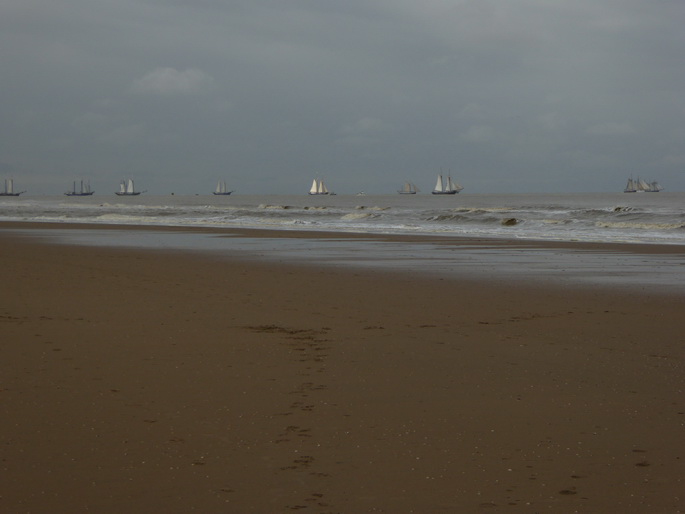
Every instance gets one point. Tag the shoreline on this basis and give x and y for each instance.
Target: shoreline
(650, 268)
(647, 248)
(136, 380)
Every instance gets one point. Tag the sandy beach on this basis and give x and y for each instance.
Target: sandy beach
(141, 381)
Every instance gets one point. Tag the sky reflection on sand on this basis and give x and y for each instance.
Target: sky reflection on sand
(448, 259)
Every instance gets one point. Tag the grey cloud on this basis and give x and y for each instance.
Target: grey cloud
(611, 129)
(169, 81)
(528, 90)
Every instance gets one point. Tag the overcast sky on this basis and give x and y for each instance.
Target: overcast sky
(508, 95)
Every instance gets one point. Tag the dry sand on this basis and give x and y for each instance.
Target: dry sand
(141, 381)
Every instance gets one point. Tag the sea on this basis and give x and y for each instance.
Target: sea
(628, 218)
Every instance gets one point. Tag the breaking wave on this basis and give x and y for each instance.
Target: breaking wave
(654, 218)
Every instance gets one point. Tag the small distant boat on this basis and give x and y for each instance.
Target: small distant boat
(642, 186)
(318, 188)
(126, 189)
(408, 189)
(446, 187)
(221, 188)
(83, 191)
(9, 189)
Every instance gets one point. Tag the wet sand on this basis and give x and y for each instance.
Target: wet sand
(140, 381)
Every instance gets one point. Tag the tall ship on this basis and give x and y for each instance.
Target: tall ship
(126, 188)
(640, 185)
(84, 190)
(221, 189)
(9, 189)
(408, 189)
(318, 188)
(446, 186)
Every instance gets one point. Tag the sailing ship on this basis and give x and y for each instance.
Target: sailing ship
(408, 189)
(9, 188)
(446, 187)
(83, 191)
(318, 188)
(642, 186)
(221, 188)
(126, 189)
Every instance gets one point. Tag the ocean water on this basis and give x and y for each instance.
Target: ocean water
(471, 235)
(617, 217)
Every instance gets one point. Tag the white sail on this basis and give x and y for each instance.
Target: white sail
(446, 186)
(408, 188)
(438, 184)
(126, 188)
(82, 190)
(221, 188)
(453, 186)
(318, 188)
(9, 188)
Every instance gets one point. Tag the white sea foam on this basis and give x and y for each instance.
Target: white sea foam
(640, 226)
(656, 218)
(356, 216)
